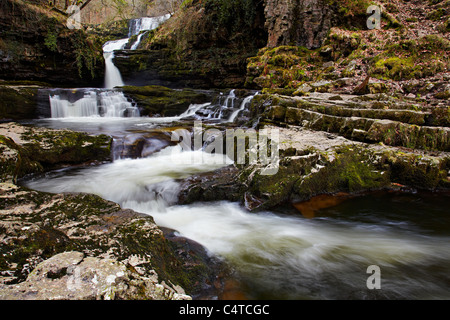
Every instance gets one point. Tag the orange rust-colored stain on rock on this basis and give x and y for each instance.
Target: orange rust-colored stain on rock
(232, 291)
(308, 208)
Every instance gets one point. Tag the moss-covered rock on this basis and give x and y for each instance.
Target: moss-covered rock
(41, 225)
(17, 103)
(159, 100)
(349, 169)
(36, 44)
(412, 59)
(28, 150)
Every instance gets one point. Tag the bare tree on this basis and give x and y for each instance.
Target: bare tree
(166, 6)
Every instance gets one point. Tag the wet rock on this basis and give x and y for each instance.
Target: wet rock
(13, 96)
(32, 150)
(221, 184)
(141, 145)
(37, 226)
(72, 276)
(312, 163)
(162, 101)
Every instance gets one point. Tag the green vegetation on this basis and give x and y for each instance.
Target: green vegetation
(37, 45)
(351, 171)
(87, 53)
(412, 59)
(159, 100)
(232, 15)
(51, 41)
(283, 67)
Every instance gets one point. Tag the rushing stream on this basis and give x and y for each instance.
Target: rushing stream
(282, 255)
(324, 254)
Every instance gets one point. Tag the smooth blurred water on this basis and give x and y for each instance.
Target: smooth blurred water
(282, 255)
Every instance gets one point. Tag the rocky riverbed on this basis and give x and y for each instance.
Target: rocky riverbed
(79, 246)
(356, 111)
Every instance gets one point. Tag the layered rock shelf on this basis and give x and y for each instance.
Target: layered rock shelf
(370, 118)
(79, 246)
(336, 143)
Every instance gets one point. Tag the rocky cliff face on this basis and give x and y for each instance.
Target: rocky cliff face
(207, 43)
(298, 22)
(37, 45)
(203, 45)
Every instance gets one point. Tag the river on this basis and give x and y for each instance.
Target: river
(276, 255)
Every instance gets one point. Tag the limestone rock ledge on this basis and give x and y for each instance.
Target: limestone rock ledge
(28, 150)
(53, 243)
(72, 275)
(80, 246)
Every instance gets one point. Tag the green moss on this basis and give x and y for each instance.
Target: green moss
(44, 150)
(12, 97)
(394, 67)
(15, 161)
(436, 15)
(283, 67)
(445, 95)
(351, 8)
(412, 59)
(88, 54)
(51, 41)
(159, 100)
(417, 171)
(350, 171)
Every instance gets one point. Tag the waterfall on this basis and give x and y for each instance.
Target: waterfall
(113, 78)
(282, 256)
(223, 109)
(138, 41)
(193, 108)
(244, 103)
(94, 103)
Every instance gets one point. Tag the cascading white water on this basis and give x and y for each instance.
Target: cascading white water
(286, 257)
(138, 41)
(193, 108)
(113, 78)
(229, 103)
(94, 104)
(85, 107)
(223, 110)
(244, 104)
(144, 24)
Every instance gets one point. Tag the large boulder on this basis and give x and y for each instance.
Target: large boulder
(79, 246)
(73, 276)
(28, 150)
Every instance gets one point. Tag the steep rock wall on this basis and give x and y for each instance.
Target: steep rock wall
(37, 45)
(298, 22)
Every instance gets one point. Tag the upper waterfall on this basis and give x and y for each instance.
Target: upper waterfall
(113, 78)
(145, 23)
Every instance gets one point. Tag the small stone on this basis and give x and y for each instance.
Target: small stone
(328, 64)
